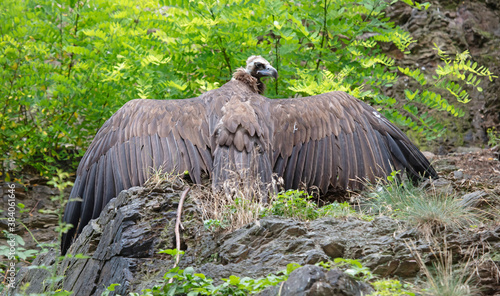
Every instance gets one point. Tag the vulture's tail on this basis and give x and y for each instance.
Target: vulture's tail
(241, 148)
(242, 173)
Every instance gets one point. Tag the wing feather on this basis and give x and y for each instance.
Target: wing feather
(133, 162)
(109, 184)
(143, 134)
(344, 139)
(139, 159)
(117, 173)
(360, 175)
(320, 163)
(88, 198)
(310, 167)
(290, 168)
(299, 169)
(344, 168)
(99, 188)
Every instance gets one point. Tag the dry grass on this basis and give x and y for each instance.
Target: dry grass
(159, 178)
(238, 202)
(443, 278)
(220, 211)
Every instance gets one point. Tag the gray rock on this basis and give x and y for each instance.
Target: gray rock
(458, 175)
(311, 280)
(122, 247)
(302, 279)
(440, 186)
(473, 199)
(466, 150)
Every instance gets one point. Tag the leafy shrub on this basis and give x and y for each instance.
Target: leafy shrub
(354, 268)
(390, 287)
(493, 137)
(53, 280)
(299, 205)
(383, 287)
(187, 282)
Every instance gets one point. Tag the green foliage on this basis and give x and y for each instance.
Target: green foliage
(213, 224)
(354, 268)
(187, 282)
(299, 205)
(393, 177)
(391, 288)
(383, 287)
(67, 66)
(450, 79)
(22, 254)
(110, 289)
(493, 137)
(52, 282)
(172, 252)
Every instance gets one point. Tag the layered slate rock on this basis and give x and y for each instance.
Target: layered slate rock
(122, 246)
(312, 280)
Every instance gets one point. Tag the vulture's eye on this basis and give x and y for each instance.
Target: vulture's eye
(259, 65)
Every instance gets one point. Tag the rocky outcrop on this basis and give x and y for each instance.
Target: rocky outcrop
(312, 280)
(122, 247)
(123, 244)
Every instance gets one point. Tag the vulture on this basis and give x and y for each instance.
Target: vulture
(328, 140)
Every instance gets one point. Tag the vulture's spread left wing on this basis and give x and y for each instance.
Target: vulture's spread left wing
(336, 139)
(142, 136)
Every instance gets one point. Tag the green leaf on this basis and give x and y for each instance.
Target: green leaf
(291, 267)
(234, 280)
(112, 287)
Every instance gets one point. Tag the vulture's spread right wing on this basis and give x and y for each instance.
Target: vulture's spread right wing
(143, 135)
(335, 139)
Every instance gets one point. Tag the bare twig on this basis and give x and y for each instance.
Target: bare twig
(177, 231)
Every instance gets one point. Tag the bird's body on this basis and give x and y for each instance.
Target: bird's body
(328, 140)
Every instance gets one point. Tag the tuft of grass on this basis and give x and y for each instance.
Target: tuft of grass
(445, 278)
(429, 211)
(237, 204)
(158, 177)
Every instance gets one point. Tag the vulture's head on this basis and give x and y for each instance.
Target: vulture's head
(257, 67)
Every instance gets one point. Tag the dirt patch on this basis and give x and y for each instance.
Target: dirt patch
(470, 169)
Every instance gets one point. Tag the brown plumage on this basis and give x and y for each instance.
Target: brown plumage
(331, 139)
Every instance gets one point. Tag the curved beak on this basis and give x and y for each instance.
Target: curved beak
(268, 71)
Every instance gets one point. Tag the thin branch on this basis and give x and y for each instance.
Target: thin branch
(72, 54)
(276, 52)
(325, 34)
(219, 43)
(61, 40)
(177, 229)
(224, 53)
